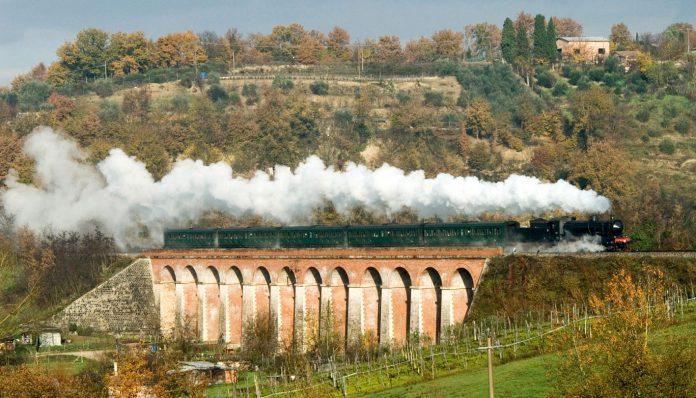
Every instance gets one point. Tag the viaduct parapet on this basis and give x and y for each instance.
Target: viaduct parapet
(388, 293)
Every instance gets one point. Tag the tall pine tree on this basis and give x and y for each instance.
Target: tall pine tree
(522, 44)
(551, 51)
(540, 51)
(508, 42)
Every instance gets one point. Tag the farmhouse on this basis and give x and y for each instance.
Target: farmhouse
(582, 49)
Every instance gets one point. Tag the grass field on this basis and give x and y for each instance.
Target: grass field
(523, 378)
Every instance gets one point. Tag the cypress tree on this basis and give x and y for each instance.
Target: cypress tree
(551, 42)
(508, 42)
(539, 36)
(522, 43)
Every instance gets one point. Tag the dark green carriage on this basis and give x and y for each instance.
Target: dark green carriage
(190, 239)
(248, 238)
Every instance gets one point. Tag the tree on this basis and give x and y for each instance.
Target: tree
(310, 48)
(337, 43)
(85, 57)
(388, 51)
(523, 52)
(420, 50)
(179, 48)
(551, 50)
(483, 40)
(540, 44)
(508, 42)
(128, 53)
(448, 44)
(32, 94)
(217, 49)
(524, 20)
(567, 27)
(479, 118)
(620, 37)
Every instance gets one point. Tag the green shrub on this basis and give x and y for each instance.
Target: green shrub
(213, 78)
(560, 89)
(319, 87)
(433, 98)
(667, 146)
(250, 91)
(683, 126)
(32, 94)
(546, 79)
(643, 115)
(596, 74)
(103, 88)
(343, 116)
(180, 102)
(574, 77)
(217, 93)
(283, 83)
(403, 97)
(654, 133)
(109, 111)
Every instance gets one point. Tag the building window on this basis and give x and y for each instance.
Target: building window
(576, 51)
(602, 51)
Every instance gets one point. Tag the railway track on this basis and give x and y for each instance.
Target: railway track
(661, 254)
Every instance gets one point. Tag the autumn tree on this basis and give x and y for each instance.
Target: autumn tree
(85, 57)
(448, 44)
(620, 360)
(338, 44)
(567, 27)
(479, 119)
(524, 20)
(420, 50)
(620, 37)
(592, 110)
(179, 48)
(217, 49)
(388, 52)
(128, 53)
(483, 40)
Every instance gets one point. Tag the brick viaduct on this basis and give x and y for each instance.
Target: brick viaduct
(387, 292)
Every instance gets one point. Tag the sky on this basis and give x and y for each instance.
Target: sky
(31, 30)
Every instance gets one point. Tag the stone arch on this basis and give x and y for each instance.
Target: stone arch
(312, 306)
(262, 292)
(286, 306)
(371, 303)
(190, 312)
(430, 286)
(400, 296)
(233, 300)
(211, 305)
(167, 301)
(337, 311)
(462, 288)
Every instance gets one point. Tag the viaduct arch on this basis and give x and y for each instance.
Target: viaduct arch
(386, 293)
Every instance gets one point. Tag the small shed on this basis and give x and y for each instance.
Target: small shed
(7, 344)
(49, 339)
(216, 373)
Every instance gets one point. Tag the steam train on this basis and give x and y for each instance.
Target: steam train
(608, 233)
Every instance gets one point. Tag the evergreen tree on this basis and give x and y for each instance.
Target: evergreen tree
(508, 42)
(540, 51)
(522, 44)
(552, 52)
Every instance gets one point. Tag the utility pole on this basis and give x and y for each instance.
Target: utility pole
(490, 369)
(104, 69)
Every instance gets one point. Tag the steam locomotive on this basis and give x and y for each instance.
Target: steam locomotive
(608, 233)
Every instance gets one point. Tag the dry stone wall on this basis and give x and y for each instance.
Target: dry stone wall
(123, 304)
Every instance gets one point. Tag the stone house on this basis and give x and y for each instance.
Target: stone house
(582, 49)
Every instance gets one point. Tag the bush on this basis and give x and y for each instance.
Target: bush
(234, 98)
(179, 103)
(584, 83)
(217, 93)
(560, 89)
(213, 78)
(103, 88)
(283, 83)
(683, 126)
(433, 98)
(546, 79)
(643, 115)
(403, 97)
(109, 111)
(250, 91)
(574, 77)
(667, 146)
(596, 74)
(343, 116)
(32, 95)
(654, 133)
(319, 87)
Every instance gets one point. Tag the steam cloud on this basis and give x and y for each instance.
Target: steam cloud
(121, 196)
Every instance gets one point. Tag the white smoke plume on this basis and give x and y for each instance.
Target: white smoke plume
(585, 244)
(121, 196)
